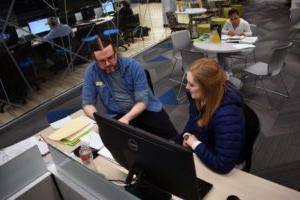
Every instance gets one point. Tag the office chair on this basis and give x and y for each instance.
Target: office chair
(55, 115)
(128, 25)
(180, 40)
(252, 129)
(262, 70)
(86, 33)
(26, 63)
(62, 53)
(114, 34)
(174, 25)
(188, 57)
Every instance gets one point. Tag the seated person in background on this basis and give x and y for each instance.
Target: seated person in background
(236, 25)
(125, 9)
(46, 50)
(122, 86)
(56, 30)
(215, 130)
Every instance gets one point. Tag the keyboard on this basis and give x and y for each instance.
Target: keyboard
(203, 188)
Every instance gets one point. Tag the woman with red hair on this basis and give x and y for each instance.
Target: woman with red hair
(215, 130)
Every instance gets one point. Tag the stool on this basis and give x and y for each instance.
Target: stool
(203, 28)
(225, 11)
(4, 36)
(88, 40)
(113, 33)
(239, 7)
(218, 20)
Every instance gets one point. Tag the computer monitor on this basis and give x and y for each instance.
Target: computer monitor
(78, 16)
(154, 161)
(39, 26)
(22, 32)
(108, 7)
(98, 12)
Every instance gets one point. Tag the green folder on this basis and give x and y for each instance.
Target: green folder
(75, 140)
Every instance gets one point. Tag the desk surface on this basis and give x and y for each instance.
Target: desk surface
(237, 182)
(97, 21)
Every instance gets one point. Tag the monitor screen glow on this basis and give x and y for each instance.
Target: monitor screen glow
(39, 26)
(108, 7)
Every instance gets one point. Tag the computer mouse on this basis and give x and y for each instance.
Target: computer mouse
(232, 197)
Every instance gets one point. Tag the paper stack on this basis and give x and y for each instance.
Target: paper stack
(73, 130)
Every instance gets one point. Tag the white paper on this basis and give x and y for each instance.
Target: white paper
(249, 40)
(60, 123)
(106, 153)
(93, 139)
(12, 151)
(243, 46)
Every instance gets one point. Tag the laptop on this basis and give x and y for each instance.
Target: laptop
(24, 33)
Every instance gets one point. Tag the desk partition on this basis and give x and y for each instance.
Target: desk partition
(26, 177)
(91, 184)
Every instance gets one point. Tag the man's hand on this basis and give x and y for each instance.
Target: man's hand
(242, 34)
(124, 120)
(89, 110)
(231, 33)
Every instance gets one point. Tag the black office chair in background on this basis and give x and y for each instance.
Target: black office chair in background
(252, 127)
(62, 50)
(129, 25)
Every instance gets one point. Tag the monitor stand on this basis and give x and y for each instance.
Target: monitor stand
(142, 186)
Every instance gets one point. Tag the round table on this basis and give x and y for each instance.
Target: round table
(221, 49)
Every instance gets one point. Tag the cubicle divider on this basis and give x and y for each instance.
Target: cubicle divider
(26, 177)
(83, 181)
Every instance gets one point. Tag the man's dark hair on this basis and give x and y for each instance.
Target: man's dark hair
(100, 44)
(233, 11)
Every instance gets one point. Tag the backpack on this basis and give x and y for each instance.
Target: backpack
(141, 31)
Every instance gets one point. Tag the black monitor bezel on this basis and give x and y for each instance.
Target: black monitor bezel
(186, 186)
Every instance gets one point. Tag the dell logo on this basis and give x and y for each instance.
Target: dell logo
(132, 145)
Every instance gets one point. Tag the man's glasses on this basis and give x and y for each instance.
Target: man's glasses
(108, 59)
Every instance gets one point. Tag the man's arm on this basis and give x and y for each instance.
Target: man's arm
(89, 93)
(89, 110)
(135, 111)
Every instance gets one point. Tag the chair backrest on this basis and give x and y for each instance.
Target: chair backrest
(133, 21)
(149, 80)
(277, 61)
(172, 20)
(253, 29)
(64, 41)
(181, 39)
(188, 57)
(55, 115)
(128, 22)
(252, 129)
